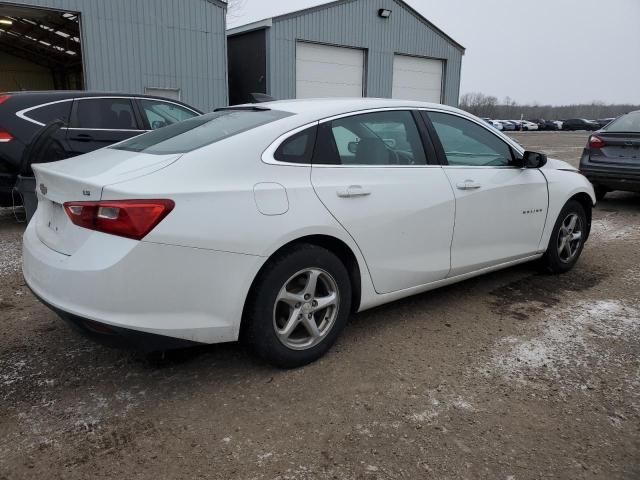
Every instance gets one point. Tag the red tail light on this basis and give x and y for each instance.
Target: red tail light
(124, 218)
(596, 142)
(4, 98)
(5, 137)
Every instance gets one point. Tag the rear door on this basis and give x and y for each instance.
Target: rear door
(501, 208)
(373, 173)
(100, 122)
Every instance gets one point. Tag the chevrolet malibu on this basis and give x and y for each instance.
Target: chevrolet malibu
(274, 223)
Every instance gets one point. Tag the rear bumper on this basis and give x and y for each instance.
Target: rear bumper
(613, 179)
(138, 288)
(119, 337)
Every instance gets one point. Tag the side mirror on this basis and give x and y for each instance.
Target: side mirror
(533, 160)
(353, 147)
(156, 124)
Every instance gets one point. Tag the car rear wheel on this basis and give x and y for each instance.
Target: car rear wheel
(300, 304)
(567, 239)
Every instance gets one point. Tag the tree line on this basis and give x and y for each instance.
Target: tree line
(488, 106)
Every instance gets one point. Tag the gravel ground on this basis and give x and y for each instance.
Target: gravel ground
(514, 375)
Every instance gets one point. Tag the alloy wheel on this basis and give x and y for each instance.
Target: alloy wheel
(306, 309)
(570, 238)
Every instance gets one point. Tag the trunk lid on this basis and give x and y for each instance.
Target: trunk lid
(83, 178)
(622, 149)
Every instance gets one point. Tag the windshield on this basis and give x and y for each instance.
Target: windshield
(629, 123)
(199, 132)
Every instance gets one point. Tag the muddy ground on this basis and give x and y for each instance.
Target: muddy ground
(514, 375)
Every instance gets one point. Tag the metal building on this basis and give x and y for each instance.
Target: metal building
(174, 48)
(375, 48)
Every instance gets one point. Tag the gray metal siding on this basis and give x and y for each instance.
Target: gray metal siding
(356, 24)
(132, 44)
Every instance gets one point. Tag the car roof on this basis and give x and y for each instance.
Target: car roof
(318, 108)
(53, 95)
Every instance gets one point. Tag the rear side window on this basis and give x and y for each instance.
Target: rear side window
(199, 132)
(372, 139)
(105, 113)
(629, 123)
(297, 148)
(49, 113)
(159, 114)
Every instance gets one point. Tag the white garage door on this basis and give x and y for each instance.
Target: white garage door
(326, 71)
(417, 78)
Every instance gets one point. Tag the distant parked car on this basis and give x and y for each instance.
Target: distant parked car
(579, 124)
(550, 125)
(507, 125)
(603, 122)
(540, 122)
(92, 121)
(494, 123)
(529, 126)
(559, 124)
(517, 123)
(611, 160)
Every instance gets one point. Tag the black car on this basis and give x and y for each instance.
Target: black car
(91, 121)
(611, 160)
(603, 122)
(579, 124)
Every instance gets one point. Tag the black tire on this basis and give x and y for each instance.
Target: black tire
(258, 328)
(601, 192)
(552, 261)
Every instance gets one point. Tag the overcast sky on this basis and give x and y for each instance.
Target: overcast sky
(546, 51)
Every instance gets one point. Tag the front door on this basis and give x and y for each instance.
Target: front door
(371, 171)
(100, 122)
(501, 208)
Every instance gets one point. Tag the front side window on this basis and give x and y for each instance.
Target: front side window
(105, 114)
(199, 132)
(379, 138)
(160, 114)
(467, 143)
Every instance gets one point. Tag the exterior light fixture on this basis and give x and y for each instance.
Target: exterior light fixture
(384, 13)
(6, 21)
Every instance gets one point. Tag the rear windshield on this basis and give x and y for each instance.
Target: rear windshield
(199, 132)
(629, 123)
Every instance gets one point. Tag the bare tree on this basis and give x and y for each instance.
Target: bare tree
(488, 106)
(235, 8)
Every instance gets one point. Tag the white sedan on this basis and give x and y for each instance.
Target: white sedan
(274, 223)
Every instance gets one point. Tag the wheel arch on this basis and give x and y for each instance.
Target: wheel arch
(331, 243)
(586, 201)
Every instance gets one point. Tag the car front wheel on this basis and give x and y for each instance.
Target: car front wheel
(300, 303)
(567, 239)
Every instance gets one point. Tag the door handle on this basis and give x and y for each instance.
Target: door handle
(82, 137)
(468, 185)
(354, 191)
